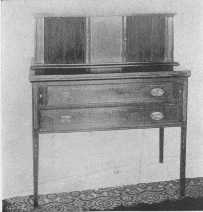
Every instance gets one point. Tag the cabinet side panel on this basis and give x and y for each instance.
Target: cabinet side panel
(158, 38)
(64, 40)
(169, 46)
(39, 40)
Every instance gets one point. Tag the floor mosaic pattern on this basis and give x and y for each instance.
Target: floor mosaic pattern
(106, 198)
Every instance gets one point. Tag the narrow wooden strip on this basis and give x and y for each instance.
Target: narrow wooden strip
(88, 40)
(106, 104)
(166, 45)
(35, 165)
(109, 76)
(35, 138)
(184, 99)
(171, 27)
(172, 124)
(183, 139)
(124, 39)
(161, 144)
(35, 96)
(183, 159)
(55, 14)
(109, 65)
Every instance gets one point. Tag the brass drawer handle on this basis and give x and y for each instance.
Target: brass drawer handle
(157, 116)
(157, 92)
(66, 119)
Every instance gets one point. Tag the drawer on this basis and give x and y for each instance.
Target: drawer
(108, 117)
(108, 94)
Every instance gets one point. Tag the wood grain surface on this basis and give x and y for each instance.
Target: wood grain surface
(100, 40)
(106, 117)
(108, 94)
(64, 40)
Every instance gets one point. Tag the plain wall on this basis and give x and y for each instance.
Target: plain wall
(79, 161)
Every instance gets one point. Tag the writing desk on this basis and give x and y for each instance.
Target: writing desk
(107, 73)
(109, 101)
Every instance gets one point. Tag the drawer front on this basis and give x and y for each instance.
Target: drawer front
(107, 117)
(107, 94)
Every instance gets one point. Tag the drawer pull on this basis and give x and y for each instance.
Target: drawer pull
(157, 116)
(157, 92)
(40, 97)
(66, 119)
(66, 94)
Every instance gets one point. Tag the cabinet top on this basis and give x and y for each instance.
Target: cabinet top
(40, 15)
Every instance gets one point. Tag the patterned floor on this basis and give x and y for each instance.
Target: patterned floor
(106, 198)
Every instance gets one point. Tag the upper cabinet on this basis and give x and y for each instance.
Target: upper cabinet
(143, 38)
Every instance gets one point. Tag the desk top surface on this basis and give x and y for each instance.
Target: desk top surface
(104, 76)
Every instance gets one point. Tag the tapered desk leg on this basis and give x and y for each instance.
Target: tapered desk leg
(183, 159)
(161, 144)
(35, 165)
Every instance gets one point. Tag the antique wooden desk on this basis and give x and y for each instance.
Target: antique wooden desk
(72, 96)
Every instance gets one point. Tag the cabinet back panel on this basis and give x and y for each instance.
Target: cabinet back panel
(106, 39)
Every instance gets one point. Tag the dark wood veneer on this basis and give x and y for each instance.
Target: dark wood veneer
(64, 40)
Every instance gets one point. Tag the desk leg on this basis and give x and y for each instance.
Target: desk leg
(161, 144)
(35, 165)
(183, 159)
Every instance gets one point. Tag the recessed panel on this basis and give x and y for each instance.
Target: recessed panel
(138, 34)
(106, 39)
(64, 40)
(146, 36)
